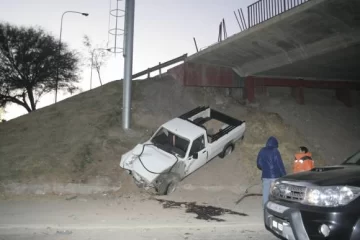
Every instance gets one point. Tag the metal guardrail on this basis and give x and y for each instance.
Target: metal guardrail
(263, 10)
(160, 66)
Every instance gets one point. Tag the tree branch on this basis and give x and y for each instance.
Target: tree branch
(15, 100)
(98, 71)
(11, 59)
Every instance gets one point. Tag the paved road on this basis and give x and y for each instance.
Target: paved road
(159, 234)
(138, 219)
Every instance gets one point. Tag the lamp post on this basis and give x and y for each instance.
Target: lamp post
(57, 72)
(128, 55)
(92, 61)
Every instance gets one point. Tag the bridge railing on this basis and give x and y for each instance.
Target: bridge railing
(263, 10)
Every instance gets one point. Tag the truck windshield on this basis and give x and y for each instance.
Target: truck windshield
(170, 142)
(353, 160)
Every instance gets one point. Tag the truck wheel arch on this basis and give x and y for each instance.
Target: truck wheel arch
(167, 180)
(223, 153)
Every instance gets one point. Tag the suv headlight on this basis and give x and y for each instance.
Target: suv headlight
(330, 196)
(275, 188)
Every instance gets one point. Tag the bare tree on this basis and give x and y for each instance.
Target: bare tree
(98, 56)
(29, 61)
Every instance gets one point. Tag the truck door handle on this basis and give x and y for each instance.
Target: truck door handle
(204, 151)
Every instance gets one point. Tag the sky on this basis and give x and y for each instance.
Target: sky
(164, 29)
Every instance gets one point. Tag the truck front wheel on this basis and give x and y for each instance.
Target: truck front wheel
(167, 183)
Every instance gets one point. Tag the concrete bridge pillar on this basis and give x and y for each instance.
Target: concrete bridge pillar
(298, 94)
(344, 95)
(250, 89)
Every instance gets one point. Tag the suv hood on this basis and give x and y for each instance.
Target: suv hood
(147, 163)
(328, 176)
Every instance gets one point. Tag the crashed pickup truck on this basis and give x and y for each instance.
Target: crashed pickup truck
(180, 147)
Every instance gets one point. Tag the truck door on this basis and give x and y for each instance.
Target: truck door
(198, 155)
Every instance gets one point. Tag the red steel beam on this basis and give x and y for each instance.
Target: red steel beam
(204, 75)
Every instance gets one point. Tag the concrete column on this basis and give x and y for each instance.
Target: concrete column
(344, 95)
(293, 92)
(260, 86)
(298, 94)
(250, 89)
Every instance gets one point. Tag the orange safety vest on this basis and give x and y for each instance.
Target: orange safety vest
(303, 162)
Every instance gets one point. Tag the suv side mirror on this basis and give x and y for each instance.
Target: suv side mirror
(195, 156)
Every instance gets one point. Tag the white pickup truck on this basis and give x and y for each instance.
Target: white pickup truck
(181, 146)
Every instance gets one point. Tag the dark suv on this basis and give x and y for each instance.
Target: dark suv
(323, 203)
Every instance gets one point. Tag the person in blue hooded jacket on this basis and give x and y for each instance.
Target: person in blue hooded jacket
(270, 163)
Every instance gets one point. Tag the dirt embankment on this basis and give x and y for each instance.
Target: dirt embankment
(80, 139)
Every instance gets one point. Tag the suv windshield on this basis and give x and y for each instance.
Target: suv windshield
(353, 160)
(170, 142)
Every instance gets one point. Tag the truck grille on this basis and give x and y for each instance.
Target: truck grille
(289, 192)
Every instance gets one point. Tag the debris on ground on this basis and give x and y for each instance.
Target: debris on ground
(203, 212)
(64, 232)
(71, 198)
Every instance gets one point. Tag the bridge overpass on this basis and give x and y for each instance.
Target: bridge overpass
(314, 43)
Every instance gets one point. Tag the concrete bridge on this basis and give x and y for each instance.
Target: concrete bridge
(315, 44)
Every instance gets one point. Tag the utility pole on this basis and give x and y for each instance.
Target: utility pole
(128, 55)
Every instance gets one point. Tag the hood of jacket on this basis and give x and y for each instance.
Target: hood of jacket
(272, 142)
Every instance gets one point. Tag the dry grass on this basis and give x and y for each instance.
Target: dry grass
(81, 138)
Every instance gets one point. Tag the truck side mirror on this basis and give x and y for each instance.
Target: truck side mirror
(195, 156)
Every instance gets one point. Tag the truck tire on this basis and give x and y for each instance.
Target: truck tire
(167, 183)
(227, 151)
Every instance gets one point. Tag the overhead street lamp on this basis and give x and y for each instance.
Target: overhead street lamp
(57, 74)
(92, 61)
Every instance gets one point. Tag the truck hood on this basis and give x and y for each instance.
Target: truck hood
(149, 164)
(329, 176)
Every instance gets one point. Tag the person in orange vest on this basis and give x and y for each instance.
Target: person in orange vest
(303, 161)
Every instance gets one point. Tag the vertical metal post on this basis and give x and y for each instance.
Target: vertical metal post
(59, 54)
(197, 50)
(128, 55)
(160, 69)
(243, 19)
(224, 27)
(238, 21)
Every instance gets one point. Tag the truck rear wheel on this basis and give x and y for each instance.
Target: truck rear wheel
(227, 151)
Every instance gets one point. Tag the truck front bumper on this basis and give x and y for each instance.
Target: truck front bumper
(139, 181)
(304, 223)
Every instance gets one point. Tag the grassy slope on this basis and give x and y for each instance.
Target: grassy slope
(81, 138)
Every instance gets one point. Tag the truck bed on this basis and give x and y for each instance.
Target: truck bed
(203, 115)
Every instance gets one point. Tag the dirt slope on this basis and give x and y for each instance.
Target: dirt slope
(80, 139)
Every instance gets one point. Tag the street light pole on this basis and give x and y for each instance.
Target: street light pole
(92, 61)
(128, 64)
(59, 48)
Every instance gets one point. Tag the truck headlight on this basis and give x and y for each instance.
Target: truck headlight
(128, 162)
(330, 196)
